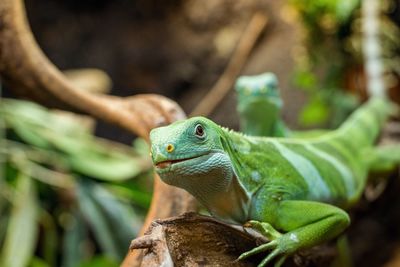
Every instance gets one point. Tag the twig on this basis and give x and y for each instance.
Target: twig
(235, 65)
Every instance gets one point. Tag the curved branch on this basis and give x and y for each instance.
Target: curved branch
(240, 55)
(25, 69)
(28, 71)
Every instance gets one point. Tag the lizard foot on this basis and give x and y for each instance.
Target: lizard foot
(275, 253)
(279, 245)
(264, 228)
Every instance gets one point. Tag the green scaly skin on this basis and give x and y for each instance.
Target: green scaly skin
(260, 107)
(294, 191)
(257, 96)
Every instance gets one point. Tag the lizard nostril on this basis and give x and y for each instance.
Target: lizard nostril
(170, 148)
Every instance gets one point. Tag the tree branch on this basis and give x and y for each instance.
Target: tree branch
(240, 55)
(25, 69)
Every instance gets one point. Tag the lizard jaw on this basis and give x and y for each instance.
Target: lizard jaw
(167, 163)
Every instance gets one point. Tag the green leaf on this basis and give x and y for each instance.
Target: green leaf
(39, 117)
(86, 154)
(38, 262)
(67, 144)
(138, 196)
(49, 241)
(113, 222)
(305, 79)
(92, 159)
(315, 112)
(98, 222)
(29, 135)
(75, 235)
(105, 167)
(3, 225)
(26, 112)
(141, 147)
(120, 217)
(22, 229)
(345, 8)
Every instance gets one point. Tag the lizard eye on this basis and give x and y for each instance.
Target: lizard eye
(199, 131)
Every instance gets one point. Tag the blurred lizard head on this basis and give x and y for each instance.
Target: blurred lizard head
(258, 87)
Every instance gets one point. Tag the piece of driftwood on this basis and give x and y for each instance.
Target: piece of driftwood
(28, 72)
(196, 240)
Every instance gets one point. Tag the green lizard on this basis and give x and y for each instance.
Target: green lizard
(259, 106)
(293, 191)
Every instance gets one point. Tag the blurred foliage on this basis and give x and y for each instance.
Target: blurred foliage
(67, 198)
(322, 62)
(332, 48)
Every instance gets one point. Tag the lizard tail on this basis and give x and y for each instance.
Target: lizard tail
(362, 128)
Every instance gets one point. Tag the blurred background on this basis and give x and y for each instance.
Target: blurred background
(75, 190)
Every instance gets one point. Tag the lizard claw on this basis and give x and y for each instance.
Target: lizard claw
(279, 248)
(264, 228)
(270, 257)
(263, 247)
(276, 252)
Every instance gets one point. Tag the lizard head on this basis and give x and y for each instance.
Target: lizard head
(260, 87)
(189, 154)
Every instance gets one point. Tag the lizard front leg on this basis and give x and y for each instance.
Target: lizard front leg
(304, 224)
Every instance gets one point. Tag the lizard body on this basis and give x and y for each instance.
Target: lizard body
(259, 105)
(294, 191)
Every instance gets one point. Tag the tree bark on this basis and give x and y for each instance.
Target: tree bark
(196, 240)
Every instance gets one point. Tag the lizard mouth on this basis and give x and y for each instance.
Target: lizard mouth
(167, 163)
